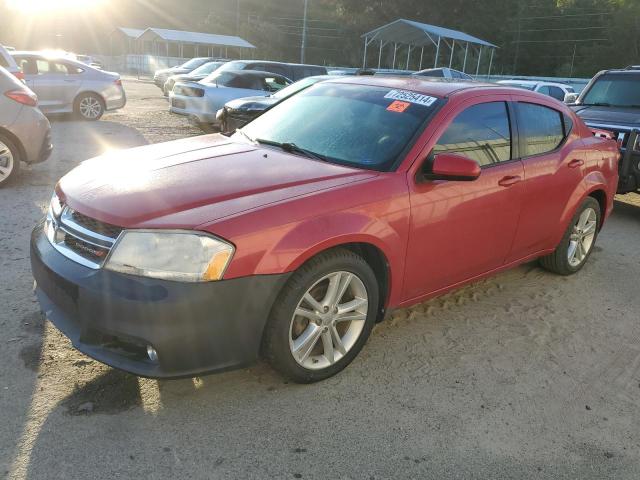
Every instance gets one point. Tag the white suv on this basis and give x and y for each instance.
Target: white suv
(559, 91)
(7, 61)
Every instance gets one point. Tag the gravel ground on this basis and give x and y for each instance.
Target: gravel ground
(525, 375)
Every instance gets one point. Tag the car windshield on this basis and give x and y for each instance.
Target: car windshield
(221, 79)
(621, 90)
(207, 68)
(232, 66)
(357, 125)
(194, 63)
(296, 87)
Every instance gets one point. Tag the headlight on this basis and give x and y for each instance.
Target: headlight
(55, 206)
(179, 256)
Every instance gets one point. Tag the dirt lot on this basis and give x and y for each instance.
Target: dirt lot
(527, 375)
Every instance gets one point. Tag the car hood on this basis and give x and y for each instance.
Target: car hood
(191, 182)
(251, 103)
(615, 116)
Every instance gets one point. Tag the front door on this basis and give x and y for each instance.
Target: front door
(460, 230)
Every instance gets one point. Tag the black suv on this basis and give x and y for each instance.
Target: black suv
(611, 102)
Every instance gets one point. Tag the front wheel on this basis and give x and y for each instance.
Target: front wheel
(9, 160)
(323, 317)
(89, 106)
(578, 241)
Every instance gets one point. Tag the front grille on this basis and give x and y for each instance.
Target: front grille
(87, 250)
(96, 226)
(81, 238)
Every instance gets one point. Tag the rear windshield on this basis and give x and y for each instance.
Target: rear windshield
(363, 126)
(616, 90)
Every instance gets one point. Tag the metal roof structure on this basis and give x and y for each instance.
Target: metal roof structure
(416, 35)
(131, 32)
(194, 38)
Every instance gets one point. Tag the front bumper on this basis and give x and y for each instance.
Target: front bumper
(111, 317)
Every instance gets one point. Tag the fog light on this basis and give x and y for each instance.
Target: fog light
(152, 354)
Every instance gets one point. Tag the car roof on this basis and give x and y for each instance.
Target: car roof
(439, 87)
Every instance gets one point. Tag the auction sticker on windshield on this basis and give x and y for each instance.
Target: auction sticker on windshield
(411, 97)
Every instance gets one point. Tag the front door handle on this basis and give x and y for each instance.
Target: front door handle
(576, 163)
(510, 180)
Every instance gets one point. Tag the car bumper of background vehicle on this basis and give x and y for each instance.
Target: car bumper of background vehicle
(116, 99)
(45, 151)
(195, 328)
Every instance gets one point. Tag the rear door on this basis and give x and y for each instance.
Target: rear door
(553, 161)
(460, 230)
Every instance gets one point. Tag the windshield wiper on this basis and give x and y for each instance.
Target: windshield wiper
(292, 148)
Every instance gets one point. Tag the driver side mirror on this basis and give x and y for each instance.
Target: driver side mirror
(452, 167)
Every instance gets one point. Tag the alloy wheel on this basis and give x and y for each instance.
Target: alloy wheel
(90, 108)
(7, 161)
(582, 237)
(328, 320)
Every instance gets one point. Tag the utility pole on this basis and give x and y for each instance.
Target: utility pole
(238, 18)
(304, 31)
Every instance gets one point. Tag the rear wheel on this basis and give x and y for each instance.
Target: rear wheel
(89, 106)
(323, 317)
(9, 160)
(578, 241)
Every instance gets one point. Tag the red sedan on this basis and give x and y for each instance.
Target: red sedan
(293, 237)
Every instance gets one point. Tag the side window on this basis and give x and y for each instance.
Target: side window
(238, 81)
(43, 67)
(259, 67)
(557, 93)
(541, 129)
(28, 66)
(278, 69)
(544, 90)
(273, 84)
(481, 132)
(3, 61)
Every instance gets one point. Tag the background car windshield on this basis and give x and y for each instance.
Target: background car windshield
(358, 125)
(295, 87)
(219, 78)
(207, 68)
(194, 63)
(616, 90)
(232, 66)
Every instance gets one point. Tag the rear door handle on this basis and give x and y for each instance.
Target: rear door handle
(510, 180)
(576, 163)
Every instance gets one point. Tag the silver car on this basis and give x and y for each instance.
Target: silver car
(201, 101)
(64, 85)
(24, 130)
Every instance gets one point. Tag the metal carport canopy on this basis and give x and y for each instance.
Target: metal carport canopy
(417, 34)
(409, 32)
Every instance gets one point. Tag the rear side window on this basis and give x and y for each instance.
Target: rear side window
(557, 93)
(541, 129)
(481, 133)
(28, 65)
(273, 84)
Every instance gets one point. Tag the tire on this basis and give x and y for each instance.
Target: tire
(89, 106)
(9, 160)
(333, 338)
(577, 244)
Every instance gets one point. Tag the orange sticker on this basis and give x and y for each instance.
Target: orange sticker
(398, 106)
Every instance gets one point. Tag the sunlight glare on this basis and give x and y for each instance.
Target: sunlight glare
(43, 6)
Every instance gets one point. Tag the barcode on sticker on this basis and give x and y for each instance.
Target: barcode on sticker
(411, 97)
